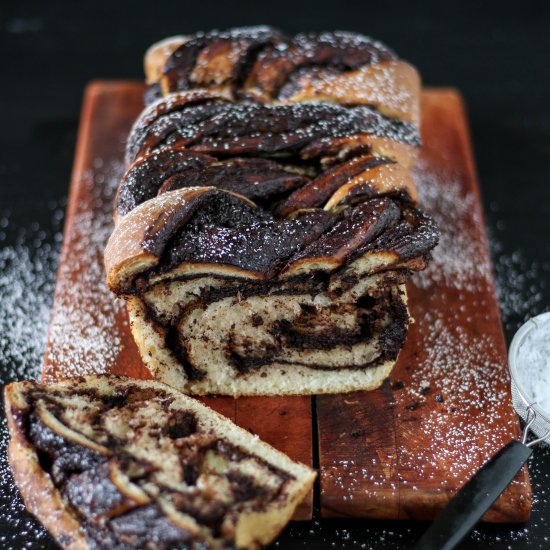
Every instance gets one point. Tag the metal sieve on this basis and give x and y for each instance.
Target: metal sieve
(474, 499)
(536, 419)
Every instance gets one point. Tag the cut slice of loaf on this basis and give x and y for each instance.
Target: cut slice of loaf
(111, 462)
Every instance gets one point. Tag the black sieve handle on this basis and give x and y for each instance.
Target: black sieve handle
(475, 498)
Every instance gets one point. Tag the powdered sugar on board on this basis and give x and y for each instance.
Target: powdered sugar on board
(459, 260)
(450, 406)
(27, 278)
(461, 374)
(83, 301)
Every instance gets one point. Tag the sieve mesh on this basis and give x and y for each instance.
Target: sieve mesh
(524, 403)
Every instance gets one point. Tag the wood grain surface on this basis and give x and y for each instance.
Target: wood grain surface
(402, 451)
(398, 452)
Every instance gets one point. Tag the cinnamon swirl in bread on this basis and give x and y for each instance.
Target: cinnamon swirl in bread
(112, 463)
(267, 222)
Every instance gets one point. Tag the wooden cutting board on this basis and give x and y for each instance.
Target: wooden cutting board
(398, 452)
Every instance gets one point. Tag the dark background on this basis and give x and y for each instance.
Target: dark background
(498, 55)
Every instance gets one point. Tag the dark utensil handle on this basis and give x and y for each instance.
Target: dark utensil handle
(475, 498)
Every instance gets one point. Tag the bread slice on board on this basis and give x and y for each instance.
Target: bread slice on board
(112, 462)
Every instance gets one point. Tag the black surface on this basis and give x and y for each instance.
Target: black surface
(498, 55)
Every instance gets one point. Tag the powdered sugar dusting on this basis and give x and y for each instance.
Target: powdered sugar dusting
(454, 393)
(27, 278)
(461, 374)
(380, 85)
(459, 261)
(520, 284)
(83, 300)
(465, 381)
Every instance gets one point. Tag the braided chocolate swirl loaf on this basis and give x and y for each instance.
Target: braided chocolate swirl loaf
(267, 222)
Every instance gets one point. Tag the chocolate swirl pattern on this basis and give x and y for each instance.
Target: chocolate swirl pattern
(267, 222)
(106, 462)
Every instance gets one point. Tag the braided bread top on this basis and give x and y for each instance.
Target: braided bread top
(315, 130)
(263, 64)
(286, 156)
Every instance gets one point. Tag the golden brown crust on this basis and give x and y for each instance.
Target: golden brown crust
(127, 255)
(157, 55)
(39, 494)
(382, 180)
(393, 87)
